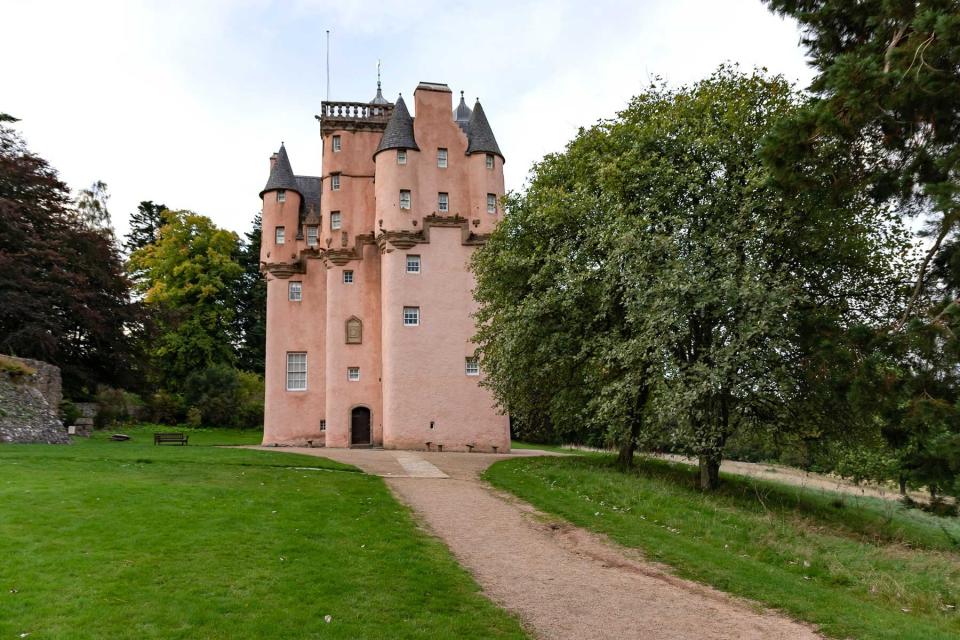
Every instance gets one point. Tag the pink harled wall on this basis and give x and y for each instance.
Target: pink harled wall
(424, 379)
(291, 416)
(410, 377)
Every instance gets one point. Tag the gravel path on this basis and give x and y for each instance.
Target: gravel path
(562, 581)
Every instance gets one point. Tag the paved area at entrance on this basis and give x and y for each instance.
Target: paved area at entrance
(563, 582)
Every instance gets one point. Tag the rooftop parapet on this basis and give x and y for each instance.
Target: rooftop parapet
(353, 116)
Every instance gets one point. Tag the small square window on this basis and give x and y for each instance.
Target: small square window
(279, 235)
(297, 371)
(401, 156)
(404, 198)
(443, 202)
(491, 203)
(335, 182)
(295, 291)
(336, 144)
(348, 277)
(323, 425)
(411, 316)
(442, 158)
(334, 220)
(312, 235)
(353, 374)
(489, 161)
(281, 195)
(472, 367)
(413, 264)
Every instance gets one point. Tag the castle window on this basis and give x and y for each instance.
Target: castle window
(279, 235)
(348, 277)
(472, 367)
(336, 144)
(334, 219)
(442, 158)
(312, 235)
(413, 264)
(335, 182)
(489, 161)
(401, 156)
(281, 195)
(323, 425)
(295, 291)
(353, 374)
(443, 202)
(404, 198)
(297, 371)
(411, 316)
(491, 203)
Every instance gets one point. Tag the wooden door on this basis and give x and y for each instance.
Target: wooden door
(360, 426)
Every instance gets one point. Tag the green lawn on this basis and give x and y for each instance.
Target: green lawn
(127, 540)
(857, 567)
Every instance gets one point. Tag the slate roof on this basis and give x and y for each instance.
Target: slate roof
(462, 114)
(281, 175)
(309, 189)
(399, 131)
(479, 134)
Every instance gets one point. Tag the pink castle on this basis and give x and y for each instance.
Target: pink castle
(369, 299)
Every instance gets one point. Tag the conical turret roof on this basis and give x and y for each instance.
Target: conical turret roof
(281, 174)
(479, 134)
(462, 113)
(399, 131)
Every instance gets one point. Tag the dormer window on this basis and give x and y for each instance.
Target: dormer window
(401, 156)
(489, 161)
(279, 235)
(491, 203)
(312, 235)
(335, 182)
(443, 202)
(405, 199)
(334, 220)
(281, 195)
(442, 158)
(336, 144)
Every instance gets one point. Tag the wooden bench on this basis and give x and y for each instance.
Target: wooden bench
(170, 438)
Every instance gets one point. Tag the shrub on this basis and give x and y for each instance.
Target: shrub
(116, 406)
(194, 417)
(226, 397)
(69, 412)
(166, 407)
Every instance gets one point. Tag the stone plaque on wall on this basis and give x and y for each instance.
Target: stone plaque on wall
(354, 331)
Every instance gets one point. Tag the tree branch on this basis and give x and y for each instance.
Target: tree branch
(918, 286)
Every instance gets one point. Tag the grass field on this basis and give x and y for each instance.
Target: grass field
(128, 540)
(857, 567)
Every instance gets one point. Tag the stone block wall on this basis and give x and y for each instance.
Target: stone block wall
(29, 404)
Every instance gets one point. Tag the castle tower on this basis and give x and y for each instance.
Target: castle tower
(384, 324)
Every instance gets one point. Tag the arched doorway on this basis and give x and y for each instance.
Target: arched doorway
(359, 426)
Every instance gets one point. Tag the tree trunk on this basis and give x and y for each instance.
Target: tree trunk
(903, 485)
(709, 472)
(625, 455)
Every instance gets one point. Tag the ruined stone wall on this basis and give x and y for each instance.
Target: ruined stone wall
(30, 395)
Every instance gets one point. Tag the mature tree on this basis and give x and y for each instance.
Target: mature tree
(63, 296)
(189, 285)
(92, 206)
(653, 283)
(252, 303)
(145, 225)
(888, 72)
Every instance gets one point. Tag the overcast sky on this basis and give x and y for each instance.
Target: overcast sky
(183, 102)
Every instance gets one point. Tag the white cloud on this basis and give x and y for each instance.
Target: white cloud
(182, 102)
